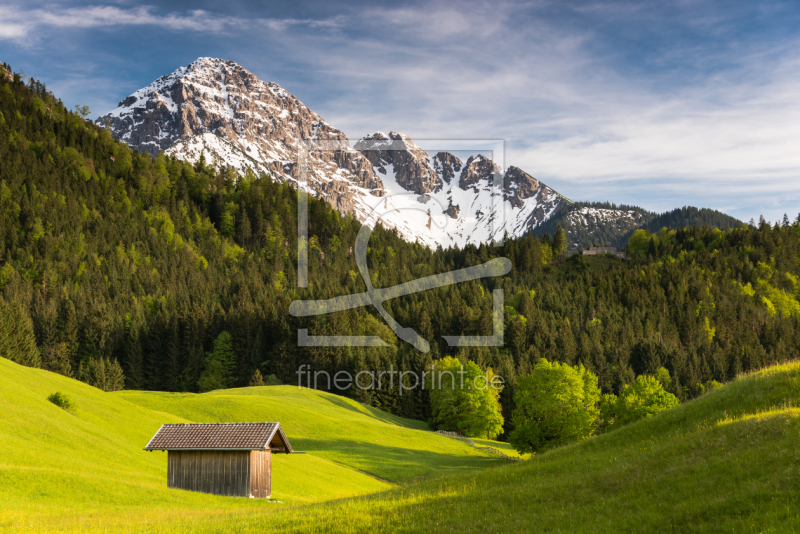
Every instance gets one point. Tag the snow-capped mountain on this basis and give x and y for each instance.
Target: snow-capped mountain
(219, 109)
(441, 199)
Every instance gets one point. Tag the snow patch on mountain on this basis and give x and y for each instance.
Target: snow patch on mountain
(589, 216)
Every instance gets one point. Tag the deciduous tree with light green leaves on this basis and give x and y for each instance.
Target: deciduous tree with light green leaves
(556, 404)
(644, 398)
(464, 399)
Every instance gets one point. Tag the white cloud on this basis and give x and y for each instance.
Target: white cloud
(18, 24)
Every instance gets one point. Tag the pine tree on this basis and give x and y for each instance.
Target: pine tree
(526, 308)
(115, 378)
(17, 342)
(256, 380)
(220, 365)
(244, 228)
(559, 242)
(55, 358)
(134, 360)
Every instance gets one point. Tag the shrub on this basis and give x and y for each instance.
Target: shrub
(260, 380)
(272, 380)
(707, 386)
(62, 401)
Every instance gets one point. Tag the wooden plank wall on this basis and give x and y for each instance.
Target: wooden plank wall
(217, 472)
(260, 474)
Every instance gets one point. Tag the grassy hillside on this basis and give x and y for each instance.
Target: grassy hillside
(86, 468)
(727, 461)
(329, 426)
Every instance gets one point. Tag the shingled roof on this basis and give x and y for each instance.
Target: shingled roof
(219, 436)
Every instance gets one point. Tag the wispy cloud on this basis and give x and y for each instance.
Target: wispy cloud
(712, 120)
(18, 24)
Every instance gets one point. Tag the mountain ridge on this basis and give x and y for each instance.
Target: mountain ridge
(218, 109)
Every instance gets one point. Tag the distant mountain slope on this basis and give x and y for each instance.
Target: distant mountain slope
(587, 223)
(691, 216)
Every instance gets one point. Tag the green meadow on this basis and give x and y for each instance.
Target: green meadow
(86, 469)
(728, 461)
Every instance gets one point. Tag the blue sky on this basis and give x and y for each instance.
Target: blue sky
(660, 104)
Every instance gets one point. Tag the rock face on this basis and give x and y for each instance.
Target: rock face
(219, 109)
(476, 170)
(410, 163)
(447, 166)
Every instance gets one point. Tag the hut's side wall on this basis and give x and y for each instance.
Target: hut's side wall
(217, 472)
(260, 474)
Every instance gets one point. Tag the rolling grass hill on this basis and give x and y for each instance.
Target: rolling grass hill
(329, 426)
(726, 462)
(86, 469)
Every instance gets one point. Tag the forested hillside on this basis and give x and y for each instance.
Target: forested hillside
(183, 275)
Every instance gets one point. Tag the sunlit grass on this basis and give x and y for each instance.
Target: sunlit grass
(728, 461)
(68, 470)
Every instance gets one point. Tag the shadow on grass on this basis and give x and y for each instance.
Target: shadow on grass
(375, 413)
(395, 462)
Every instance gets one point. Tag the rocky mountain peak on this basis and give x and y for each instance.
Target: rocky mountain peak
(477, 169)
(408, 161)
(447, 166)
(518, 185)
(220, 108)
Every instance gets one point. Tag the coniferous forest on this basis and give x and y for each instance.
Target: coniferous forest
(125, 270)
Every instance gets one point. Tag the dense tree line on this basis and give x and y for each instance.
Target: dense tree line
(181, 275)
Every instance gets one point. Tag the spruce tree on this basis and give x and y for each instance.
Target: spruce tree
(559, 242)
(17, 342)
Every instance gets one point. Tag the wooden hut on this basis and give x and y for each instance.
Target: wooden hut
(233, 459)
